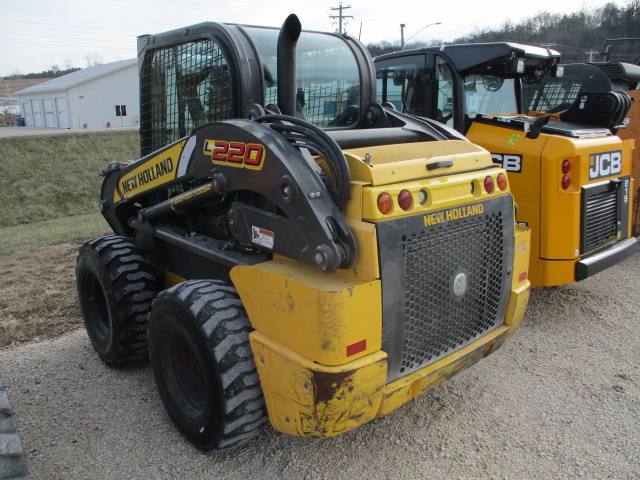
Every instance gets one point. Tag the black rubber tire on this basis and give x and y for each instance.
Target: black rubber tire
(203, 365)
(116, 285)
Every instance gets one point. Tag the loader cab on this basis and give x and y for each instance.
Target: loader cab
(553, 95)
(580, 80)
(454, 83)
(212, 71)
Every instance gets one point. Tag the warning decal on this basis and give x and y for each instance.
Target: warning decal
(262, 237)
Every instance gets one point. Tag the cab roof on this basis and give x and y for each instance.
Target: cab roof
(469, 55)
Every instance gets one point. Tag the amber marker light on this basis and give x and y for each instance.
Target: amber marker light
(502, 181)
(384, 203)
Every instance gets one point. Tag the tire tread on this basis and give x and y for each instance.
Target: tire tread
(218, 311)
(134, 285)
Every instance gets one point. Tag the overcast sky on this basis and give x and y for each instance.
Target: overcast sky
(34, 35)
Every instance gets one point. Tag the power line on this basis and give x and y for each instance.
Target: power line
(61, 25)
(340, 16)
(51, 36)
(65, 45)
(40, 29)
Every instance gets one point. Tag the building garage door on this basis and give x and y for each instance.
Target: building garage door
(26, 112)
(38, 117)
(49, 113)
(61, 111)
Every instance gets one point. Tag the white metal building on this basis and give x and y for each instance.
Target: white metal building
(94, 97)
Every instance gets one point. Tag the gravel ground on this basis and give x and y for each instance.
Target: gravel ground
(560, 400)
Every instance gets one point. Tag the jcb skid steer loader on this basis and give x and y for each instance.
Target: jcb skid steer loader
(582, 83)
(319, 262)
(571, 179)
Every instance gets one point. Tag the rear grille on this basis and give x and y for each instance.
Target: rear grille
(429, 275)
(455, 280)
(600, 203)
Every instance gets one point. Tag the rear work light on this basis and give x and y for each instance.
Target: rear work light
(404, 200)
(488, 185)
(423, 196)
(384, 203)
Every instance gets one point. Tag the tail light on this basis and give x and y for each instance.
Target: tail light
(566, 182)
(404, 200)
(488, 185)
(566, 166)
(385, 203)
(502, 181)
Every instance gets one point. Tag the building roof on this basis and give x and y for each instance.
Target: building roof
(76, 78)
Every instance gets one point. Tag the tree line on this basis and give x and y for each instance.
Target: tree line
(51, 73)
(578, 36)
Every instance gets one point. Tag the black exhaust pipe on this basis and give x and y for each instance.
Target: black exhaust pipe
(287, 41)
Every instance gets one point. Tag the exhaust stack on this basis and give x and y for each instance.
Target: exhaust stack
(286, 69)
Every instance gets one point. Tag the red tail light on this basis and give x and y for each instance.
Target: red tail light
(566, 182)
(488, 185)
(384, 203)
(404, 200)
(566, 166)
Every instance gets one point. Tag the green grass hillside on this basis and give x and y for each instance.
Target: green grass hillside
(47, 177)
(49, 186)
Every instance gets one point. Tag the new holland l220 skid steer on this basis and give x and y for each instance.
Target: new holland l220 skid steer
(287, 249)
(571, 178)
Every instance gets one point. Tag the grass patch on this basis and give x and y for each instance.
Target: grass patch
(33, 236)
(46, 177)
(49, 204)
(38, 294)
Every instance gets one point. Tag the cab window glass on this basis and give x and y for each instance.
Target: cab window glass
(487, 94)
(184, 86)
(445, 92)
(403, 86)
(328, 79)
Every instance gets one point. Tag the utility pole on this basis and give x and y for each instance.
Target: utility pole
(402, 36)
(340, 16)
(590, 53)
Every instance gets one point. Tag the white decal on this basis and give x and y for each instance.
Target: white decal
(262, 237)
(509, 161)
(605, 164)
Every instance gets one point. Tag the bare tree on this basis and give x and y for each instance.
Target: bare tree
(92, 59)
